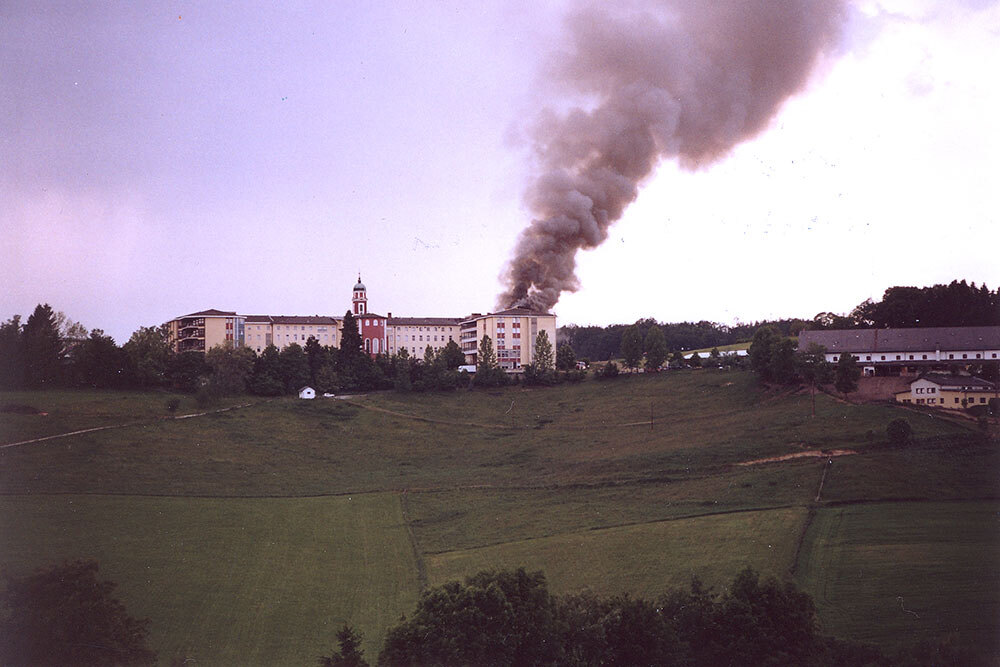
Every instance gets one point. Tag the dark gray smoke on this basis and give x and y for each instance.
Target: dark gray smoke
(684, 79)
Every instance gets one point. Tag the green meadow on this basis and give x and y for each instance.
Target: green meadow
(250, 535)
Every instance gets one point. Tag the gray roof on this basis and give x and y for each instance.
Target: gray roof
(903, 340)
(292, 319)
(424, 321)
(958, 381)
(211, 312)
(510, 312)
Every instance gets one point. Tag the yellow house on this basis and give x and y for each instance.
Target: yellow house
(943, 390)
(201, 331)
(513, 332)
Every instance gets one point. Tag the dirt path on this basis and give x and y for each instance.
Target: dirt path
(125, 425)
(812, 454)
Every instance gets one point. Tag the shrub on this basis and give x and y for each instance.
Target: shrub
(899, 431)
(609, 371)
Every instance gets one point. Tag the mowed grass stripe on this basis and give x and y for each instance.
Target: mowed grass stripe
(643, 559)
(231, 581)
(894, 573)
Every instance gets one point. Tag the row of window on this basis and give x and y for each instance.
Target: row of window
(930, 390)
(934, 401)
(899, 357)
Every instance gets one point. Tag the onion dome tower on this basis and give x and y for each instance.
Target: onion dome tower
(360, 299)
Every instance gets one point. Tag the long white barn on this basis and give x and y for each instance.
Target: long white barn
(908, 351)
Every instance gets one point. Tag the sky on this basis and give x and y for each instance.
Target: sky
(160, 159)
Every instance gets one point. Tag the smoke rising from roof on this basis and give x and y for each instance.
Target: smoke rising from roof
(683, 79)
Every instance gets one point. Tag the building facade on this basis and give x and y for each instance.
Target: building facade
(909, 351)
(513, 331)
(954, 392)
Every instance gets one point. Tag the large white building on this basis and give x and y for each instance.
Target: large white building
(908, 351)
(379, 333)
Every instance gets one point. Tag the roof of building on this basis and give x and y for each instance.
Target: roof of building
(903, 340)
(510, 312)
(950, 380)
(211, 312)
(424, 321)
(292, 319)
(360, 285)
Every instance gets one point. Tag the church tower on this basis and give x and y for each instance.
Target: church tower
(360, 299)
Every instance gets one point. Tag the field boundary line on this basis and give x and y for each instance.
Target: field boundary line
(127, 424)
(665, 421)
(594, 529)
(404, 506)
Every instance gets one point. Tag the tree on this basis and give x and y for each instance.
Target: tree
(814, 369)
(266, 377)
(847, 373)
(43, 350)
(782, 367)
(493, 618)
(565, 357)
(293, 368)
(149, 354)
(452, 355)
(656, 349)
(487, 371)
(760, 351)
(543, 361)
(98, 362)
(899, 431)
(632, 347)
(350, 653)
(608, 372)
(401, 371)
(350, 339)
(187, 371)
(11, 354)
(232, 368)
(65, 615)
(316, 356)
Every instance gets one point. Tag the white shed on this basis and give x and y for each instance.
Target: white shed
(307, 392)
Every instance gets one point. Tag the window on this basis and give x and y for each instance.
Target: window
(835, 358)
(868, 358)
(977, 356)
(956, 399)
(925, 356)
(951, 356)
(965, 356)
(920, 401)
(920, 390)
(982, 399)
(883, 357)
(911, 357)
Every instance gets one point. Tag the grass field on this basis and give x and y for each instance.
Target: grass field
(231, 581)
(643, 559)
(249, 536)
(920, 569)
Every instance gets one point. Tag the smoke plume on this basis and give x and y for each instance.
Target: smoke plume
(683, 79)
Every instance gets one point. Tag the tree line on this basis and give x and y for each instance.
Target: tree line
(50, 351)
(66, 615)
(955, 304)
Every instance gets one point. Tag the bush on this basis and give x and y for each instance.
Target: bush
(64, 615)
(609, 371)
(899, 431)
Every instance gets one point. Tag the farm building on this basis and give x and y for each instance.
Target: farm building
(307, 392)
(948, 391)
(909, 351)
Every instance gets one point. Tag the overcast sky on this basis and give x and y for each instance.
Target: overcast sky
(162, 158)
